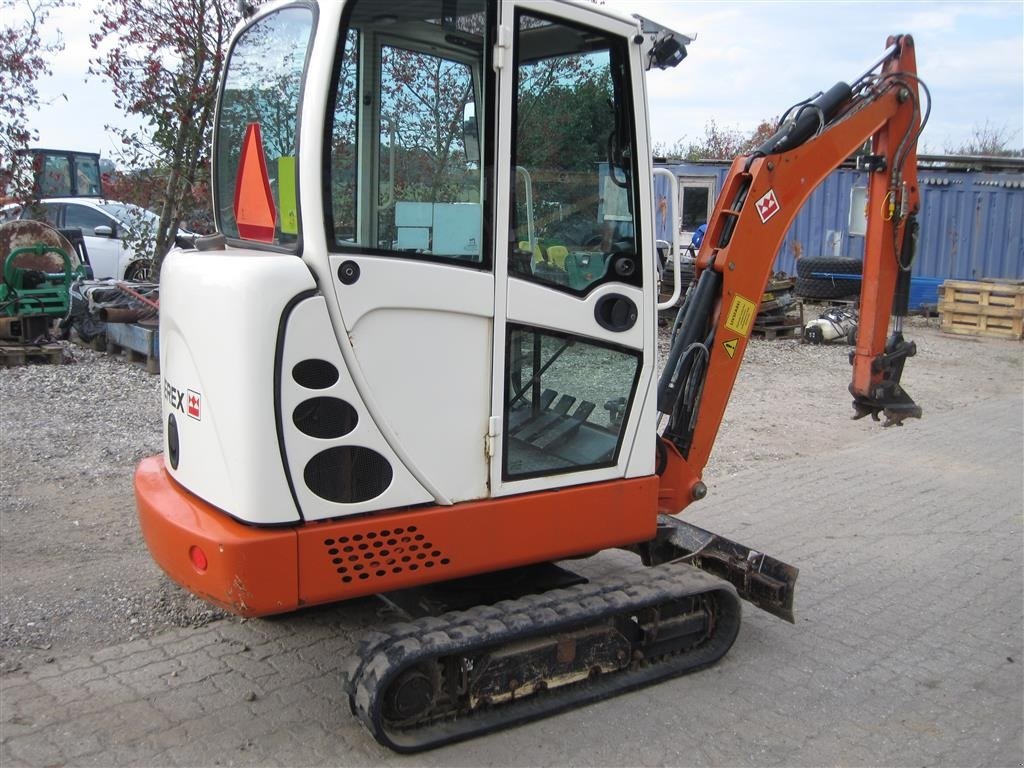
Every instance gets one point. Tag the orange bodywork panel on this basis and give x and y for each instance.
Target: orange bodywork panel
(256, 571)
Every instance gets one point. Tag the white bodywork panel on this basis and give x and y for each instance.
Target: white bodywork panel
(418, 336)
(219, 318)
(538, 305)
(308, 336)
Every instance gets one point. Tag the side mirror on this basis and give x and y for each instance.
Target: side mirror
(470, 136)
(103, 231)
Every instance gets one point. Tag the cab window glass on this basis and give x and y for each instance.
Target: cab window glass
(566, 401)
(342, 147)
(87, 176)
(263, 88)
(575, 181)
(55, 176)
(405, 172)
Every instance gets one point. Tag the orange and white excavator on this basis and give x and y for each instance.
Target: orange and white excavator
(420, 350)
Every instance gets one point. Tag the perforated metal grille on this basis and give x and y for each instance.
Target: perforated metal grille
(325, 417)
(383, 552)
(315, 374)
(348, 474)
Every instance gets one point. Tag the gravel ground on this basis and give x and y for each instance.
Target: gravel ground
(75, 574)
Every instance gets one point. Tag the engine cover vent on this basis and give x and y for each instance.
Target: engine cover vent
(381, 553)
(347, 474)
(325, 417)
(315, 374)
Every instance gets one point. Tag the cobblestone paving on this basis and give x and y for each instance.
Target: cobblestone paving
(908, 647)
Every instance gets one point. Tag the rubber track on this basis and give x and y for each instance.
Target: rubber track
(383, 655)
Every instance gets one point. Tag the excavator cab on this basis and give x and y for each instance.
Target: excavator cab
(466, 316)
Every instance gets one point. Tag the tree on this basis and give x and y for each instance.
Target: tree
(23, 60)
(163, 59)
(986, 141)
(720, 143)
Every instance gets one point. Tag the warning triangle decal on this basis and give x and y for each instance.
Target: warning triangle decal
(255, 212)
(730, 347)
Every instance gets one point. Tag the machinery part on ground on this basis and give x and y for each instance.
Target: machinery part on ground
(421, 684)
(39, 265)
(827, 288)
(834, 324)
(24, 233)
(815, 266)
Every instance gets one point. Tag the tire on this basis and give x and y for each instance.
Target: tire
(813, 288)
(808, 267)
(140, 271)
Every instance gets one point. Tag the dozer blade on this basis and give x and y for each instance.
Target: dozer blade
(436, 680)
(759, 579)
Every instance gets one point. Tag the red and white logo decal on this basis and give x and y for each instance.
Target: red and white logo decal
(767, 206)
(194, 404)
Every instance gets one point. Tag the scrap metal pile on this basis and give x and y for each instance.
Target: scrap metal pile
(94, 303)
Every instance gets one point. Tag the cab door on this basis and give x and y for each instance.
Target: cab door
(407, 238)
(574, 278)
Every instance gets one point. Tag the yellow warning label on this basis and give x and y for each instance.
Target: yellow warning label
(730, 347)
(741, 315)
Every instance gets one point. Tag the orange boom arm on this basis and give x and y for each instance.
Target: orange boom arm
(760, 199)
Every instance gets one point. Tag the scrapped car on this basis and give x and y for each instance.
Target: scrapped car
(119, 236)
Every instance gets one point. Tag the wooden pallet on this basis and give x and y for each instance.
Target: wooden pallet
(140, 343)
(23, 354)
(772, 332)
(983, 308)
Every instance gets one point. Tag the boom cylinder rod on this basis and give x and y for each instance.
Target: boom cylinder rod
(890, 51)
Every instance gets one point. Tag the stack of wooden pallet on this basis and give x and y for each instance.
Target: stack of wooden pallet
(780, 313)
(983, 308)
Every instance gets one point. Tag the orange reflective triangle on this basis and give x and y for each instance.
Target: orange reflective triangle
(255, 213)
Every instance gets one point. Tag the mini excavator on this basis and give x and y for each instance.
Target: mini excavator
(435, 251)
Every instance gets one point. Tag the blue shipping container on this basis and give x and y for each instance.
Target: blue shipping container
(972, 222)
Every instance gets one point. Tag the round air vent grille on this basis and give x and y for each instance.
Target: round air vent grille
(348, 474)
(315, 374)
(325, 417)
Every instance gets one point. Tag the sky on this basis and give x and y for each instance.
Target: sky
(749, 61)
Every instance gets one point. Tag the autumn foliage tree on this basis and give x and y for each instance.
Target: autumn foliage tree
(24, 58)
(719, 143)
(163, 59)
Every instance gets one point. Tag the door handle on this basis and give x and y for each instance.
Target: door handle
(615, 312)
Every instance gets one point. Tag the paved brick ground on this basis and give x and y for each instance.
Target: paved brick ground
(907, 648)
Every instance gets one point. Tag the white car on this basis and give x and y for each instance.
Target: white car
(112, 231)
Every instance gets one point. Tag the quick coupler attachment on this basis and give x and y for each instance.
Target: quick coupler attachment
(889, 399)
(758, 578)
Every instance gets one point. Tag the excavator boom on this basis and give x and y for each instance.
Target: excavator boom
(761, 197)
